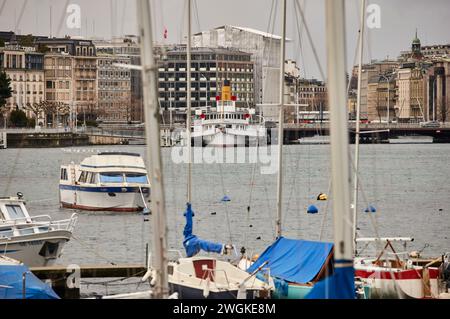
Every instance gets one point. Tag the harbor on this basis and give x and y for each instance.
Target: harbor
(217, 167)
(106, 238)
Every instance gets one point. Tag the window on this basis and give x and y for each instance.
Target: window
(136, 178)
(82, 178)
(93, 178)
(15, 211)
(111, 178)
(6, 232)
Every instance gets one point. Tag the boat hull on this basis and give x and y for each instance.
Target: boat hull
(404, 284)
(221, 139)
(186, 292)
(294, 292)
(119, 199)
(36, 250)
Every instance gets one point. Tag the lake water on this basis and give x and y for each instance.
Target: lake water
(408, 184)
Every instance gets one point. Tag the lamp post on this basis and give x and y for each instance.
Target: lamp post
(388, 97)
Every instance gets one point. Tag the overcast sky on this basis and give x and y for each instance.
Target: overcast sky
(103, 18)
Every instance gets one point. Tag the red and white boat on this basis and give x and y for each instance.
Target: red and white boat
(393, 278)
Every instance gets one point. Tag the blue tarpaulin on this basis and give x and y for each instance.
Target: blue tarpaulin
(11, 284)
(340, 285)
(294, 260)
(192, 244)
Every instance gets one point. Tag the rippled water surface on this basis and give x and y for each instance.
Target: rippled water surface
(408, 184)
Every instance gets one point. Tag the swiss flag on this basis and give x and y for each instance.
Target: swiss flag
(165, 33)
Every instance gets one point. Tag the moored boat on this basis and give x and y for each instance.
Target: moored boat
(108, 181)
(227, 125)
(392, 277)
(208, 277)
(17, 282)
(33, 240)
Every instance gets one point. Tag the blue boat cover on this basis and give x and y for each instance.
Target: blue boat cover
(340, 285)
(294, 260)
(11, 284)
(192, 244)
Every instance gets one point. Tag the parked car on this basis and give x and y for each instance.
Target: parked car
(430, 124)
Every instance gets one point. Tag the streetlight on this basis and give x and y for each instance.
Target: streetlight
(388, 88)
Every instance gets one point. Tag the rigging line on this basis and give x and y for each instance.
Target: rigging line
(252, 183)
(271, 42)
(225, 203)
(2, 6)
(325, 214)
(197, 19)
(86, 245)
(183, 21)
(20, 15)
(61, 20)
(300, 40)
(311, 42)
(122, 22)
(364, 198)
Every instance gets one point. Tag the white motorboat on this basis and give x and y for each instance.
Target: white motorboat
(392, 277)
(108, 181)
(208, 277)
(412, 139)
(316, 139)
(227, 125)
(33, 240)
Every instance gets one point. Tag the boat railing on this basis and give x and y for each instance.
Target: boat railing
(180, 255)
(212, 273)
(34, 222)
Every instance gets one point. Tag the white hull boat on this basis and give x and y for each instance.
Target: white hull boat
(206, 277)
(316, 139)
(35, 241)
(413, 139)
(227, 125)
(397, 282)
(114, 181)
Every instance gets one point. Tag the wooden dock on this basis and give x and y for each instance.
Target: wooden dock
(65, 279)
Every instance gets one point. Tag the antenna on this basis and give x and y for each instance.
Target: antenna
(50, 8)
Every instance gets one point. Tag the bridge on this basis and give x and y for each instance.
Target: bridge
(370, 132)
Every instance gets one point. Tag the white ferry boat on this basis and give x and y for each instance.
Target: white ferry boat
(33, 240)
(227, 124)
(412, 139)
(108, 181)
(316, 139)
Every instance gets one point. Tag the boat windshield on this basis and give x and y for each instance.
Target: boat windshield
(136, 178)
(15, 211)
(111, 178)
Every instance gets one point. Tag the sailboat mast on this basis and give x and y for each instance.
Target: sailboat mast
(340, 179)
(152, 151)
(188, 104)
(280, 124)
(357, 127)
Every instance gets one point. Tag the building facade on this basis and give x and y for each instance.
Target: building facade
(381, 98)
(83, 58)
(25, 67)
(114, 89)
(127, 47)
(209, 68)
(265, 52)
(411, 105)
(368, 72)
(437, 87)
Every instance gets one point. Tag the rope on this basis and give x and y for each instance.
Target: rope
(85, 245)
(226, 206)
(324, 220)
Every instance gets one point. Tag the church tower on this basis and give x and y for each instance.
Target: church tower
(416, 48)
